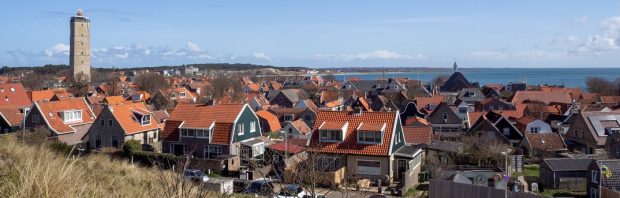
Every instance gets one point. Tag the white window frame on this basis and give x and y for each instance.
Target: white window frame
(72, 116)
(240, 129)
(208, 148)
(252, 126)
(182, 94)
(145, 120)
(325, 138)
(534, 129)
(185, 132)
(595, 177)
(205, 133)
(506, 131)
(369, 172)
(362, 137)
(292, 116)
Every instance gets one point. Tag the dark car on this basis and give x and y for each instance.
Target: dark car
(260, 187)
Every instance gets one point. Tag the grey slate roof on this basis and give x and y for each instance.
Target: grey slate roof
(455, 83)
(567, 164)
(613, 181)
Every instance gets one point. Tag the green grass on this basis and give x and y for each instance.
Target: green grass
(410, 192)
(531, 170)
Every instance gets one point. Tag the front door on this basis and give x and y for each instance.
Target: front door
(401, 168)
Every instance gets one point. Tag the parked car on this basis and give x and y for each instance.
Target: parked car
(293, 191)
(195, 175)
(260, 187)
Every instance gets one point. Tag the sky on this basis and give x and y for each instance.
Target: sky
(318, 33)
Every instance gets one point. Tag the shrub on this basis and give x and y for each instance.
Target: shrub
(61, 148)
(163, 160)
(131, 146)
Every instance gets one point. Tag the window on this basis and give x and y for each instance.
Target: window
(506, 131)
(369, 137)
(331, 136)
(202, 133)
(594, 192)
(72, 116)
(173, 95)
(182, 94)
(102, 122)
(36, 119)
(98, 141)
(114, 141)
(328, 164)
(491, 135)
(146, 120)
(534, 129)
(307, 118)
(187, 132)
(368, 167)
(462, 110)
(258, 149)
(445, 116)
(252, 126)
(211, 151)
(110, 122)
(240, 129)
(288, 118)
(595, 177)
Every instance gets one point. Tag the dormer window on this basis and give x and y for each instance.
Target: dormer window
(182, 94)
(331, 135)
(332, 131)
(146, 120)
(72, 116)
(370, 133)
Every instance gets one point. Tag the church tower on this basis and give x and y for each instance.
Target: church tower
(80, 47)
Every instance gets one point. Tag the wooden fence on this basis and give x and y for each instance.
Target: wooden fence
(444, 188)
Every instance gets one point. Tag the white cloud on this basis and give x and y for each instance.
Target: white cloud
(193, 47)
(261, 56)
(565, 40)
(377, 54)
(59, 48)
(526, 54)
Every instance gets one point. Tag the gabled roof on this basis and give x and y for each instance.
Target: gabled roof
(455, 83)
(42, 95)
(350, 145)
(436, 116)
(540, 96)
(595, 122)
(52, 111)
(114, 100)
(301, 126)
(272, 120)
(291, 148)
(418, 134)
(545, 141)
(13, 99)
(567, 164)
(222, 117)
(125, 115)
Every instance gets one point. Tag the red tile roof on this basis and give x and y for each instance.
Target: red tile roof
(125, 115)
(418, 134)
(273, 122)
(41, 95)
(52, 111)
(541, 96)
(349, 145)
(371, 126)
(282, 147)
(332, 125)
(203, 116)
(301, 126)
(545, 141)
(13, 97)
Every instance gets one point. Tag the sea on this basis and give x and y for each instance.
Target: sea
(569, 77)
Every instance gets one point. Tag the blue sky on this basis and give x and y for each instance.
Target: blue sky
(319, 33)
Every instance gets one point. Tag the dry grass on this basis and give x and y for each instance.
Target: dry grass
(37, 171)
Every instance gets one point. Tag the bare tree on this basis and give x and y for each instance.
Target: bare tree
(112, 82)
(151, 82)
(601, 85)
(79, 86)
(439, 80)
(482, 153)
(33, 81)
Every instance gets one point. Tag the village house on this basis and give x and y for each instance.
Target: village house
(446, 122)
(207, 132)
(564, 173)
(118, 123)
(603, 178)
(365, 145)
(14, 104)
(588, 131)
(528, 124)
(69, 120)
